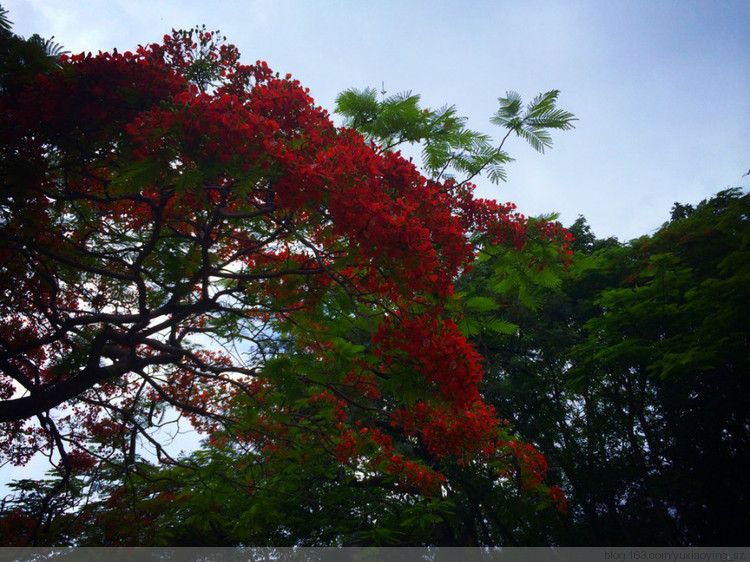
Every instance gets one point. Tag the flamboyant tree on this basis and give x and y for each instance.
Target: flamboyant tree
(182, 234)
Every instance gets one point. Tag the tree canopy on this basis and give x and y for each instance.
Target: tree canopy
(631, 376)
(183, 234)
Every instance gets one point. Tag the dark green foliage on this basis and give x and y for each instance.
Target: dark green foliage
(20, 58)
(633, 377)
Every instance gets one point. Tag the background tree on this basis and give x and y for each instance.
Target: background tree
(630, 375)
(181, 234)
(669, 351)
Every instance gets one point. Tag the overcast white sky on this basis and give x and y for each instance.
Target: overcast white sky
(661, 89)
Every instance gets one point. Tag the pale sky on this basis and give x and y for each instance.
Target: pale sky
(661, 89)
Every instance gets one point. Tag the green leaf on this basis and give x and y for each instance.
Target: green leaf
(481, 304)
(137, 175)
(346, 348)
(501, 326)
(540, 115)
(469, 326)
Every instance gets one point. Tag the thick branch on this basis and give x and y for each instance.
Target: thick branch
(44, 399)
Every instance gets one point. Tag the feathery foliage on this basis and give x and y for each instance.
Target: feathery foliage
(449, 147)
(532, 125)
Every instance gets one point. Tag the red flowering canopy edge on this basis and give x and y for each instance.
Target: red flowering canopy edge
(180, 232)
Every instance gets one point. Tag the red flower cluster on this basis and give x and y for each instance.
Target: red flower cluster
(363, 384)
(435, 348)
(466, 434)
(371, 450)
(531, 464)
(80, 461)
